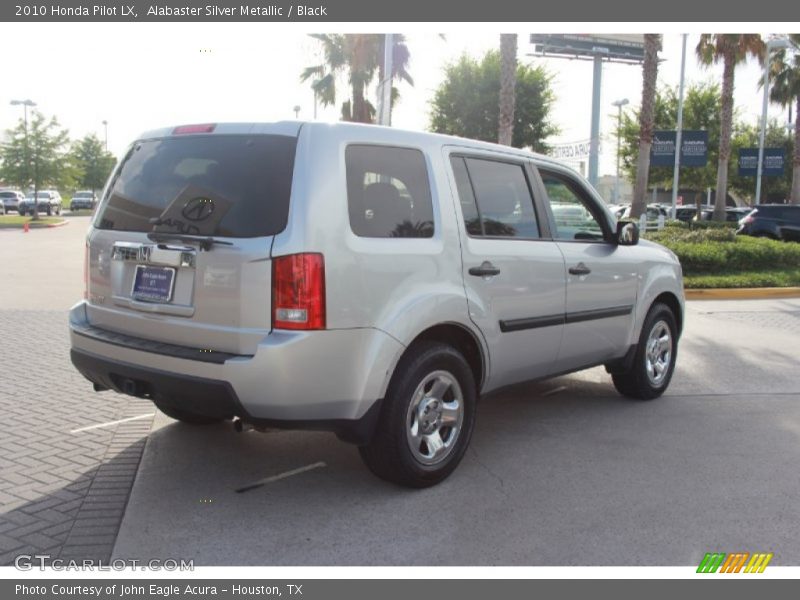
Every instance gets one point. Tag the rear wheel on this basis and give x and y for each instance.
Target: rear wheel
(186, 417)
(426, 420)
(654, 361)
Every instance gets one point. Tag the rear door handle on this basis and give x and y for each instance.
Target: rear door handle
(486, 269)
(579, 269)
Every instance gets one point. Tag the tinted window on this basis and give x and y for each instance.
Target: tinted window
(503, 199)
(574, 215)
(388, 192)
(225, 185)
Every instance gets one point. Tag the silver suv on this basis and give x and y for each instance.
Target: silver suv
(368, 281)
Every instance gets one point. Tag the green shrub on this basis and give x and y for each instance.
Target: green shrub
(706, 255)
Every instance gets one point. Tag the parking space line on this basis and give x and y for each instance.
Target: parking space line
(280, 476)
(110, 423)
(555, 391)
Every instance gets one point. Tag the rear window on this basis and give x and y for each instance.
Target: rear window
(224, 185)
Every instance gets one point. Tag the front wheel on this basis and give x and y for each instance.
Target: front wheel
(654, 361)
(426, 420)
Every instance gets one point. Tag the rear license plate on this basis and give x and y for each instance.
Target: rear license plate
(153, 284)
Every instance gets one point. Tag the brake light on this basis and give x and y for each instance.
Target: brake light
(199, 128)
(86, 271)
(298, 292)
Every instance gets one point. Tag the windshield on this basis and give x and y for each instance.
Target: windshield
(225, 185)
(82, 195)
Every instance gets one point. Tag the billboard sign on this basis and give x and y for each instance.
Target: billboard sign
(774, 159)
(694, 148)
(622, 47)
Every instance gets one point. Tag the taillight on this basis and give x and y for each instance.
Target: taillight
(86, 271)
(200, 128)
(298, 291)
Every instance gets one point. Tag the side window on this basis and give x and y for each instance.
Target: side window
(498, 200)
(469, 207)
(573, 213)
(388, 192)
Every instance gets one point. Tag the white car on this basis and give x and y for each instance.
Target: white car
(48, 202)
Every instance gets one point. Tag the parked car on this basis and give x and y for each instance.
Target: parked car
(364, 280)
(732, 214)
(685, 213)
(653, 212)
(83, 199)
(48, 201)
(776, 221)
(10, 200)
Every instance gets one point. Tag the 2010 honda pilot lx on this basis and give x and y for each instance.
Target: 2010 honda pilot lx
(363, 280)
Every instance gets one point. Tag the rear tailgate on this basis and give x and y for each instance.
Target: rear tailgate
(180, 247)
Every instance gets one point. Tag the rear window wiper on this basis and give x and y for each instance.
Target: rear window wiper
(205, 242)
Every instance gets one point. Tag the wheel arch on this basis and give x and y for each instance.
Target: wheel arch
(672, 302)
(457, 335)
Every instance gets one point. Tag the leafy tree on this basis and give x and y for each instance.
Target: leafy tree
(731, 50)
(701, 107)
(359, 57)
(508, 79)
(467, 102)
(652, 45)
(785, 78)
(94, 163)
(38, 159)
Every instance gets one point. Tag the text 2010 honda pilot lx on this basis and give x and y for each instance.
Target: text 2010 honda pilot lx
(364, 280)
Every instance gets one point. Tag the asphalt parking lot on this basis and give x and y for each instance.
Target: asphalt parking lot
(563, 472)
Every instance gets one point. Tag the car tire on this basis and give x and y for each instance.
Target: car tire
(654, 360)
(426, 419)
(49, 211)
(21, 213)
(185, 416)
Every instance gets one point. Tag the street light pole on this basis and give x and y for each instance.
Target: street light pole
(676, 172)
(105, 126)
(773, 44)
(619, 104)
(25, 104)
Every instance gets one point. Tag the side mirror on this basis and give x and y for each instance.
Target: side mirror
(627, 233)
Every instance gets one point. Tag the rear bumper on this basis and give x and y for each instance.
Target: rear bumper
(209, 397)
(329, 380)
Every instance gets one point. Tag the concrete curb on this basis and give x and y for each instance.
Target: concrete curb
(742, 293)
(64, 222)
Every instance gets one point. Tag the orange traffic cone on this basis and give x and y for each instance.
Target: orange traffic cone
(25, 227)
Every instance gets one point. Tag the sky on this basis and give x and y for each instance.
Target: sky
(141, 76)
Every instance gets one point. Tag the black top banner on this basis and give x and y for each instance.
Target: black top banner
(587, 11)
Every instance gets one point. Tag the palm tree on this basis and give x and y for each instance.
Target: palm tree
(508, 79)
(785, 78)
(360, 58)
(652, 45)
(730, 49)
